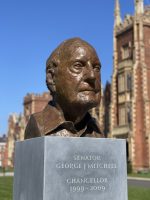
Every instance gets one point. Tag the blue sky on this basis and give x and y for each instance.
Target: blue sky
(31, 29)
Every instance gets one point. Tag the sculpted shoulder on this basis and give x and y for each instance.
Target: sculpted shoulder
(35, 126)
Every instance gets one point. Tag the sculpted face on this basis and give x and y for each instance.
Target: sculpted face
(77, 79)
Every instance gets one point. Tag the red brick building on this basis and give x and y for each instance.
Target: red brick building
(130, 100)
(3, 152)
(16, 126)
(17, 123)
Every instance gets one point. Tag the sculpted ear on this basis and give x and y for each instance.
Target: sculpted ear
(50, 73)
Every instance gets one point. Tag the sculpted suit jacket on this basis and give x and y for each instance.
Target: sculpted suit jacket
(51, 121)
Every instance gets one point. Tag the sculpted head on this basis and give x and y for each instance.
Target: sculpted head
(73, 74)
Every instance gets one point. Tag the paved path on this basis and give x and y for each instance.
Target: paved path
(7, 174)
(141, 182)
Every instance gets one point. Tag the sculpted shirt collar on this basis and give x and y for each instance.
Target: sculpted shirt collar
(57, 122)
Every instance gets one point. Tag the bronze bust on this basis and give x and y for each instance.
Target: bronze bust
(73, 78)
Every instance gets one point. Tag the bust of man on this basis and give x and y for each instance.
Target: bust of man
(73, 78)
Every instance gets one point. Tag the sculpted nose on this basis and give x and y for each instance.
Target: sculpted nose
(90, 75)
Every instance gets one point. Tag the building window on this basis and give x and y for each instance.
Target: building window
(129, 119)
(122, 115)
(129, 82)
(125, 51)
(121, 83)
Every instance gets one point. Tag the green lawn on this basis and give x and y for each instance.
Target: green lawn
(138, 193)
(135, 193)
(6, 187)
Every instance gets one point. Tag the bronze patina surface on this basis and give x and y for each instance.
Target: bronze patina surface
(73, 78)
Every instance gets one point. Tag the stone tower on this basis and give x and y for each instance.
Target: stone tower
(130, 97)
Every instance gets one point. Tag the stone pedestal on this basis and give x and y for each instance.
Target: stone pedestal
(54, 168)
